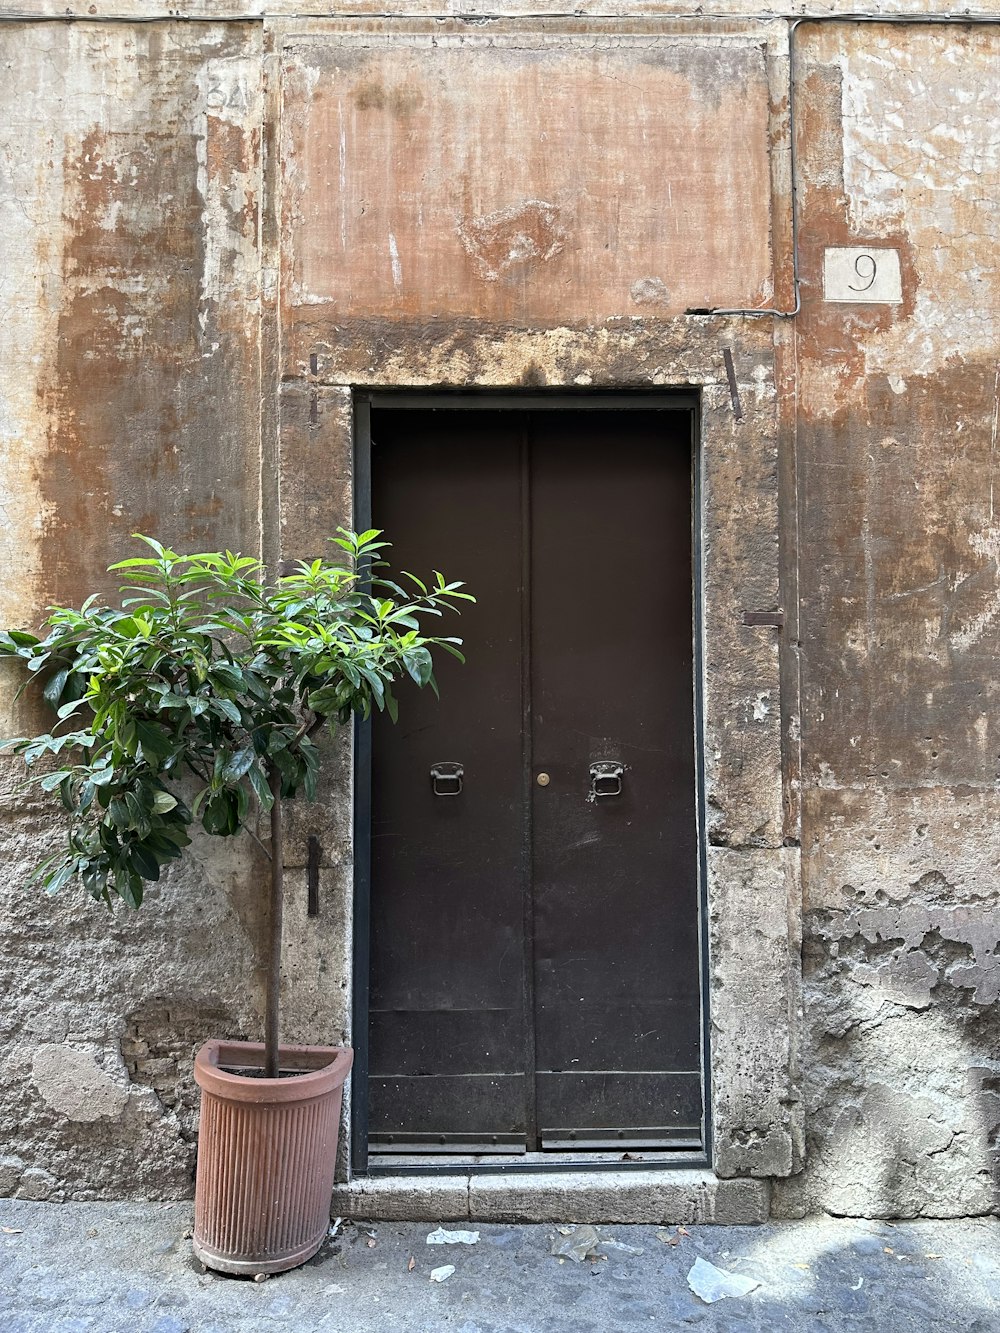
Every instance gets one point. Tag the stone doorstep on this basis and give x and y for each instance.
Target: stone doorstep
(659, 1197)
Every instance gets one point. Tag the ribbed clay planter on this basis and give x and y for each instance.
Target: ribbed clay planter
(267, 1148)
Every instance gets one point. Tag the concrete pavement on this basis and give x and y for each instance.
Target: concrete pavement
(128, 1268)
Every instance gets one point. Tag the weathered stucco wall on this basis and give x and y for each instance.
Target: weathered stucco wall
(129, 346)
(438, 176)
(536, 204)
(898, 547)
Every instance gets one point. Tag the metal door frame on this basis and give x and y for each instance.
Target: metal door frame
(515, 400)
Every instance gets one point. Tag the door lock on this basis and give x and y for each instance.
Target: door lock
(606, 778)
(446, 778)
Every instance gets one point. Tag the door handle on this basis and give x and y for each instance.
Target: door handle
(606, 778)
(446, 778)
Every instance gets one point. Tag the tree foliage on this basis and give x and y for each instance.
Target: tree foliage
(207, 679)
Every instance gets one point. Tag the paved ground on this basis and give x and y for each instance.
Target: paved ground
(112, 1268)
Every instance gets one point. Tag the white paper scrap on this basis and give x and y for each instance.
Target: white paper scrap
(442, 1237)
(610, 1244)
(710, 1283)
(442, 1274)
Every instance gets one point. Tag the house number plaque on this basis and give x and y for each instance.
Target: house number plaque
(865, 276)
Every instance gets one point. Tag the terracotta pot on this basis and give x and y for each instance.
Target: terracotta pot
(267, 1148)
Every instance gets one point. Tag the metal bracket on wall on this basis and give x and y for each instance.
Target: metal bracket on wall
(774, 619)
(314, 854)
(606, 778)
(446, 778)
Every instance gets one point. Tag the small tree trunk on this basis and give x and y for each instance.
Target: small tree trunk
(274, 965)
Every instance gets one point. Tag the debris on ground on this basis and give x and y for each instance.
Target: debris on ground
(335, 1226)
(610, 1244)
(411, 1265)
(576, 1243)
(711, 1284)
(334, 1289)
(442, 1237)
(443, 1273)
(668, 1237)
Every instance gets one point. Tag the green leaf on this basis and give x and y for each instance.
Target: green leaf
(260, 788)
(238, 765)
(226, 708)
(287, 764)
(228, 676)
(95, 879)
(163, 801)
(137, 813)
(221, 814)
(144, 862)
(156, 745)
(55, 686)
(119, 814)
(129, 886)
(325, 700)
(58, 878)
(136, 562)
(375, 681)
(419, 664)
(276, 742)
(174, 701)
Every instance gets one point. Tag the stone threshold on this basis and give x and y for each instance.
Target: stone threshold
(668, 1197)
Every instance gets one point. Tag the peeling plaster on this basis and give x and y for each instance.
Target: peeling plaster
(72, 1082)
(564, 252)
(921, 155)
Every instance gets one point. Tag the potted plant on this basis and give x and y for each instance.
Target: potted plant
(197, 700)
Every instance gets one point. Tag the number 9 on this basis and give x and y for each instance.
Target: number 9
(866, 269)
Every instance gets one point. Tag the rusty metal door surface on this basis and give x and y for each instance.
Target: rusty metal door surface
(534, 972)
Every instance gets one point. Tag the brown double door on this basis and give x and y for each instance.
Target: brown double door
(534, 978)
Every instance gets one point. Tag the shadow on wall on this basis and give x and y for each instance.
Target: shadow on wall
(901, 1042)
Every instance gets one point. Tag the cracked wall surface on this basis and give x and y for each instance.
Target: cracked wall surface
(896, 437)
(129, 400)
(214, 232)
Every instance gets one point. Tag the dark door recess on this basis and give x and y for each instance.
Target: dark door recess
(534, 970)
